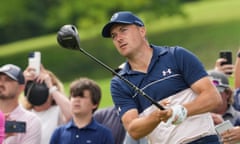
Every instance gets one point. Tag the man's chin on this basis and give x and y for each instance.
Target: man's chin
(6, 97)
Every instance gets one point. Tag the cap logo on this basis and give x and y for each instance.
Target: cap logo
(114, 17)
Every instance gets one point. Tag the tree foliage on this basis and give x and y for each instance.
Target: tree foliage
(27, 18)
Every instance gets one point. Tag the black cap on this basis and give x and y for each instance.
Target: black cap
(123, 17)
(36, 93)
(219, 79)
(14, 72)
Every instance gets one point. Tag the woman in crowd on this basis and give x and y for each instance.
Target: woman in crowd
(55, 109)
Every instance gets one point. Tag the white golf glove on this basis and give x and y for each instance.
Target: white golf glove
(179, 114)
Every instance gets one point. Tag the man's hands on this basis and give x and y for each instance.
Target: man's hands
(44, 76)
(174, 115)
(217, 118)
(231, 136)
(179, 114)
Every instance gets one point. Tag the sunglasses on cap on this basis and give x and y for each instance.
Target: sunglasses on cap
(220, 86)
(216, 82)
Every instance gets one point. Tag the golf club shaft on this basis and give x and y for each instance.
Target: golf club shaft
(124, 79)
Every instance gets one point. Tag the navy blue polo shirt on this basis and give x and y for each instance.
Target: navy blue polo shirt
(94, 133)
(171, 70)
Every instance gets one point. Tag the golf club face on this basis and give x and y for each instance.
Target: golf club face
(68, 37)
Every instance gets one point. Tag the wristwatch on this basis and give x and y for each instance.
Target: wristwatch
(52, 89)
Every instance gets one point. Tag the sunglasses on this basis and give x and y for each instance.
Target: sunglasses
(220, 86)
(216, 82)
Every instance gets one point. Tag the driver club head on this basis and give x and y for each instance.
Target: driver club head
(68, 37)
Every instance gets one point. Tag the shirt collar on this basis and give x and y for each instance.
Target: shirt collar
(91, 125)
(16, 112)
(157, 52)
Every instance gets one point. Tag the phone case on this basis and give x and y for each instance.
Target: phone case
(222, 127)
(227, 55)
(34, 61)
(15, 127)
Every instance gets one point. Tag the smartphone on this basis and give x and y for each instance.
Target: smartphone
(226, 55)
(222, 127)
(15, 127)
(34, 61)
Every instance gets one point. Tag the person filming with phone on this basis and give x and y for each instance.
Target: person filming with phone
(26, 128)
(44, 96)
(224, 63)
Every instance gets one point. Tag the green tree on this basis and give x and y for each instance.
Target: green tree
(27, 18)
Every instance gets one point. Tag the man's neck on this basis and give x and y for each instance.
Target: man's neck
(82, 121)
(141, 61)
(7, 106)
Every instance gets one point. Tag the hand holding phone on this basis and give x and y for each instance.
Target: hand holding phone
(222, 127)
(34, 61)
(227, 55)
(15, 127)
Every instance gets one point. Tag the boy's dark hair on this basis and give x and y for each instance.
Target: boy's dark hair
(78, 86)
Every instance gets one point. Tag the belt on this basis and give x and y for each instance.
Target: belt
(213, 139)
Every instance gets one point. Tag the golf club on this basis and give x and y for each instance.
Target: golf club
(68, 38)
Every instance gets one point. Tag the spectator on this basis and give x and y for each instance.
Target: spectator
(11, 86)
(2, 127)
(109, 118)
(237, 82)
(233, 135)
(226, 110)
(85, 97)
(165, 74)
(54, 109)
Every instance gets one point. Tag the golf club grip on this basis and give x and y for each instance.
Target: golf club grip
(124, 79)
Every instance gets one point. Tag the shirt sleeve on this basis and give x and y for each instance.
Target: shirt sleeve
(190, 66)
(122, 96)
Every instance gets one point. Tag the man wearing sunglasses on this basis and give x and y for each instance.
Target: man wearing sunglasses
(226, 111)
(220, 80)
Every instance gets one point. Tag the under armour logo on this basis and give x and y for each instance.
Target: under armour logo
(164, 73)
(88, 141)
(119, 109)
